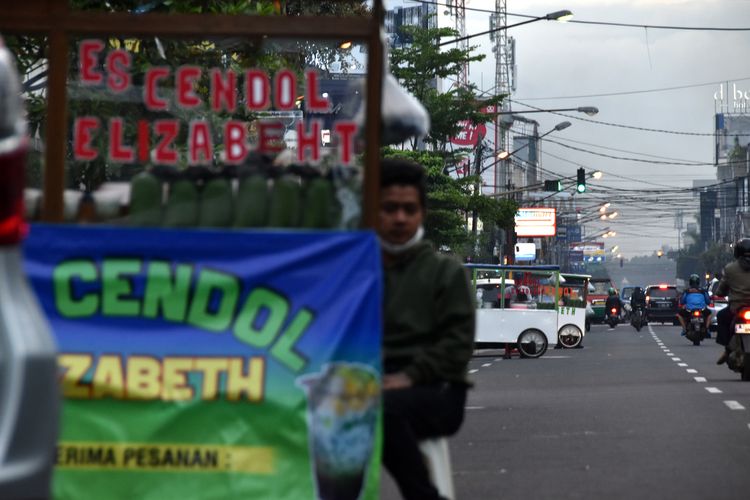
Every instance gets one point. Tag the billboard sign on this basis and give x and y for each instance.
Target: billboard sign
(469, 134)
(525, 252)
(535, 222)
(213, 363)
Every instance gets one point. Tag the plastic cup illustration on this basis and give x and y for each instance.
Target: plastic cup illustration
(342, 408)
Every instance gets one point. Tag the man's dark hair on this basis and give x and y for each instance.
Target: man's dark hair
(403, 172)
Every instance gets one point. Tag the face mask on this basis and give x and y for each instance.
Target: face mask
(400, 248)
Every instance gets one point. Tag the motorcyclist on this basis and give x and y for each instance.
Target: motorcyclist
(638, 301)
(613, 302)
(692, 299)
(735, 282)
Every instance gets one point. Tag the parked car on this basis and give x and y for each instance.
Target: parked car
(661, 303)
(29, 394)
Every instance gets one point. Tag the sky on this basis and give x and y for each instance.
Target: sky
(559, 64)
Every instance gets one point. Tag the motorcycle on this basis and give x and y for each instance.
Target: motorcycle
(739, 345)
(613, 317)
(637, 319)
(695, 327)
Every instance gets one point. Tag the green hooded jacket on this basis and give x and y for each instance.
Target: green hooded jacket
(429, 317)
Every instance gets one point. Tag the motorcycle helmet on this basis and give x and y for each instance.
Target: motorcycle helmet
(694, 281)
(742, 248)
(611, 292)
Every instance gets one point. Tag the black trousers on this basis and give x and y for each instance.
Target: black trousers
(411, 415)
(724, 326)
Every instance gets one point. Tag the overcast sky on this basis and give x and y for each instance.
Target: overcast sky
(568, 59)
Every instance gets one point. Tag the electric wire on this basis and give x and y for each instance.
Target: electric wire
(619, 125)
(602, 23)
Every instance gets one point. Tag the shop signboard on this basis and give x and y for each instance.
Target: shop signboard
(213, 361)
(535, 222)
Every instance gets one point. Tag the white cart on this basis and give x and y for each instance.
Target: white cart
(528, 307)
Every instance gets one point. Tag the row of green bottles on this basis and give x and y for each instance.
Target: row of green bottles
(284, 202)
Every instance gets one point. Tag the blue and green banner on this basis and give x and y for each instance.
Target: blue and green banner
(213, 363)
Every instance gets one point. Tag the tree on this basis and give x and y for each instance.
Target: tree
(418, 67)
(449, 199)
(716, 257)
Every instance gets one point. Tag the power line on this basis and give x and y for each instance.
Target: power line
(632, 92)
(641, 160)
(565, 139)
(602, 23)
(644, 129)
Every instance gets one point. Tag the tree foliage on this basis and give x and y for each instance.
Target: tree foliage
(418, 67)
(449, 200)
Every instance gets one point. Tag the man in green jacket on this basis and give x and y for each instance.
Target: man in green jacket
(428, 334)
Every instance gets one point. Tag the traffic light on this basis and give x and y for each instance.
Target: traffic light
(581, 183)
(555, 185)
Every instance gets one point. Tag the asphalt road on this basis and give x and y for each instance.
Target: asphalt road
(631, 415)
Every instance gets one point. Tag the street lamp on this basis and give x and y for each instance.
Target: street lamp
(560, 15)
(597, 175)
(589, 110)
(504, 155)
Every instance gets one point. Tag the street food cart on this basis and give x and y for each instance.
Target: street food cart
(201, 353)
(528, 307)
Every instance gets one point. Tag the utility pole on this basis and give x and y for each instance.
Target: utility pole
(504, 49)
(478, 153)
(463, 73)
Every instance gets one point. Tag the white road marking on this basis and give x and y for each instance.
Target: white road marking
(714, 390)
(682, 364)
(473, 371)
(486, 365)
(676, 359)
(734, 405)
(700, 379)
(475, 407)
(691, 370)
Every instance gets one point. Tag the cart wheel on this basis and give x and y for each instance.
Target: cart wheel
(570, 336)
(532, 343)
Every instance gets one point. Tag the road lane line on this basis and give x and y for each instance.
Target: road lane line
(691, 370)
(474, 407)
(682, 364)
(486, 365)
(676, 359)
(473, 371)
(714, 390)
(734, 405)
(700, 379)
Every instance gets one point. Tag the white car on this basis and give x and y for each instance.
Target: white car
(29, 394)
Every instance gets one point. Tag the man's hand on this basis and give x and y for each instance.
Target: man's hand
(398, 380)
